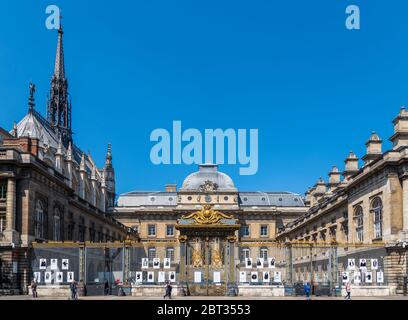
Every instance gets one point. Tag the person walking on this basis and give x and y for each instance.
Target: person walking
(168, 290)
(106, 288)
(34, 288)
(306, 288)
(348, 291)
(73, 287)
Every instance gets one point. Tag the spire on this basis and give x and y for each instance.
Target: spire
(31, 100)
(59, 104)
(82, 165)
(15, 130)
(59, 150)
(69, 152)
(108, 162)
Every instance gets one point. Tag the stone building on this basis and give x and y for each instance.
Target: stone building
(50, 190)
(365, 214)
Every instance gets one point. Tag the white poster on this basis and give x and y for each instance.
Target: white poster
(145, 263)
(58, 277)
(380, 277)
(374, 264)
(43, 264)
(217, 277)
(172, 276)
(357, 277)
(197, 277)
(54, 264)
(65, 264)
(47, 277)
(345, 277)
(167, 263)
(369, 277)
(70, 277)
(248, 262)
(156, 263)
(363, 264)
(259, 263)
(254, 276)
(139, 277)
(150, 276)
(271, 263)
(277, 277)
(351, 264)
(266, 277)
(162, 277)
(37, 277)
(242, 276)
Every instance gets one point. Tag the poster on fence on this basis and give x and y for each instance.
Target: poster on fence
(363, 264)
(259, 263)
(167, 263)
(248, 262)
(271, 263)
(70, 277)
(351, 264)
(59, 277)
(374, 264)
(266, 277)
(357, 277)
(368, 277)
(217, 277)
(150, 276)
(172, 276)
(47, 277)
(54, 264)
(65, 264)
(43, 264)
(254, 276)
(156, 263)
(242, 276)
(37, 277)
(139, 277)
(345, 277)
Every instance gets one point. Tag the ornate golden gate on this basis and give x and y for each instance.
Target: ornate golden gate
(207, 241)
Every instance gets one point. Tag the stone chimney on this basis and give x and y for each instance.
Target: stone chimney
(373, 147)
(171, 187)
(351, 166)
(400, 136)
(320, 189)
(334, 178)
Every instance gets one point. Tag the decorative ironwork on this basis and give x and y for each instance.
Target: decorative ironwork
(207, 215)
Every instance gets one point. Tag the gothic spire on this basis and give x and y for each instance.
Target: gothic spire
(31, 100)
(108, 162)
(59, 104)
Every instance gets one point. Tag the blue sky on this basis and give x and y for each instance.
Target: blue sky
(291, 69)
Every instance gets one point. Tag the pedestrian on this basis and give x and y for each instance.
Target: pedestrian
(168, 290)
(34, 288)
(73, 287)
(348, 291)
(106, 288)
(306, 288)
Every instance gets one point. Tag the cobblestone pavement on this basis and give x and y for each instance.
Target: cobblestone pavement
(201, 298)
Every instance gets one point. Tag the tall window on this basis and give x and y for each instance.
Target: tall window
(245, 253)
(3, 190)
(92, 232)
(245, 231)
(81, 229)
(359, 223)
(170, 253)
(264, 231)
(39, 220)
(57, 225)
(151, 230)
(263, 253)
(151, 253)
(170, 230)
(377, 210)
(2, 219)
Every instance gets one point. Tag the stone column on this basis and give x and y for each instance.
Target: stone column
(405, 204)
(11, 205)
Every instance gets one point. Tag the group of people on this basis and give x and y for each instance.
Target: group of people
(307, 289)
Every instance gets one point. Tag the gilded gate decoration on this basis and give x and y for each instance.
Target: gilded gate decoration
(207, 215)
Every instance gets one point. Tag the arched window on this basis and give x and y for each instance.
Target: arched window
(57, 223)
(39, 220)
(359, 223)
(376, 207)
